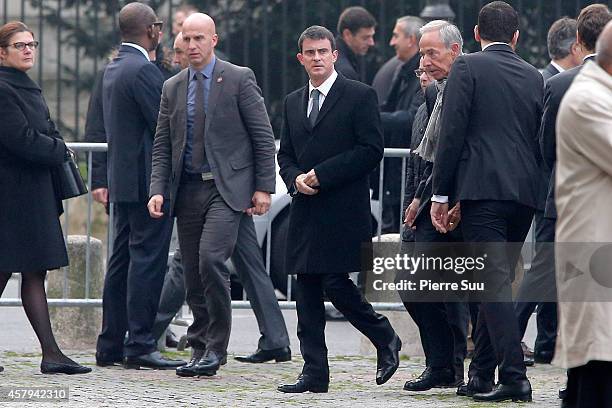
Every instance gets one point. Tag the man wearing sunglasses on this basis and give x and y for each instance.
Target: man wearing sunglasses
(131, 96)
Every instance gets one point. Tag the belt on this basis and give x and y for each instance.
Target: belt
(196, 176)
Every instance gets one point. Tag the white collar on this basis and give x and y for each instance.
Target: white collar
(559, 67)
(495, 43)
(589, 56)
(138, 47)
(325, 86)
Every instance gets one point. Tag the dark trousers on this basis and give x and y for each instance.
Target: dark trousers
(589, 386)
(207, 230)
(540, 283)
(172, 295)
(248, 261)
(133, 282)
(497, 341)
(442, 325)
(345, 296)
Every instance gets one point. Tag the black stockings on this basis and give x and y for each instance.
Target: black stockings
(34, 300)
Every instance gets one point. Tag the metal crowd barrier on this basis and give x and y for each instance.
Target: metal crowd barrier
(88, 149)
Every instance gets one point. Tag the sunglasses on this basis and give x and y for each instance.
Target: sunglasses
(22, 45)
(418, 72)
(158, 24)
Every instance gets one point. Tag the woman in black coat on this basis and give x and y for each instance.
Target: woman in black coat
(31, 240)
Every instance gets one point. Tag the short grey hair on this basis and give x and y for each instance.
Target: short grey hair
(449, 33)
(410, 26)
(561, 37)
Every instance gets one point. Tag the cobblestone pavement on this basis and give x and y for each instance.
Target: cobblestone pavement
(248, 385)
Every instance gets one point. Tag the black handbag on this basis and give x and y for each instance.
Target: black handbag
(69, 181)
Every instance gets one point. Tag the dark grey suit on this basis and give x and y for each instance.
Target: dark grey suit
(239, 147)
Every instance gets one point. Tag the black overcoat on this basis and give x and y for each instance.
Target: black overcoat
(327, 230)
(30, 147)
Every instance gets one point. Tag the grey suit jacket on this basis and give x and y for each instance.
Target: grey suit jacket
(239, 141)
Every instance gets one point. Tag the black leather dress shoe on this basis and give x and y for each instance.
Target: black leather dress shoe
(187, 369)
(432, 378)
(303, 385)
(528, 360)
(517, 392)
(62, 368)
(387, 360)
(109, 363)
(207, 365)
(543, 357)
(475, 385)
(261, 356)
(152, 360)
(103, 360)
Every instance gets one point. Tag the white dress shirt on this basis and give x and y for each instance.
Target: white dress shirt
(557, 66)
(323, 89)
(138, 47)
(495, 43)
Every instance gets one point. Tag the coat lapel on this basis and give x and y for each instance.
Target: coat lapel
(216, 86)
(304, 109)
(332, 97)
(181, 97)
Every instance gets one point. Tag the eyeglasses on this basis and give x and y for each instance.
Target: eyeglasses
(158, 24)
(21, 45)
(418, 72)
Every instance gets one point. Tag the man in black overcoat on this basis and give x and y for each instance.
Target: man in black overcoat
(331, 140)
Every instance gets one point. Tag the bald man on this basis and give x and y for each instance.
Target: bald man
(180, 53)
(247, 258)
(137, 264)
(213, 161)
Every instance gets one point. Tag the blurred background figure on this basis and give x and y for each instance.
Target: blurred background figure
(565, 53)
(397, 115)
(31, 239)
(356, 29)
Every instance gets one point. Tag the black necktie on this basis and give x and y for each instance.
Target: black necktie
(314, 112)
(199, 123)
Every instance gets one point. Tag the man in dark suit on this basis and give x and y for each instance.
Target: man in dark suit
(487, 159)
(563, 50)
(136, 267)
(356, 29)
(565, 54)
(442, 325)
(213, 160)
(590, 23)
(331, 139)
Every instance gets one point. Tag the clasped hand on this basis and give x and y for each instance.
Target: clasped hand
(307, 183)
(444, 220)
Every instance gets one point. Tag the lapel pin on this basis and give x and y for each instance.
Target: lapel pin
(219, 80)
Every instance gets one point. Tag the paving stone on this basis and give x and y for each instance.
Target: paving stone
(250, 385)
